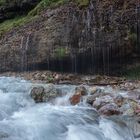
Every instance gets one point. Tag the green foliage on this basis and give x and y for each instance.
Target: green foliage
(45, 3)
(2, 2)
(83, 2)
(19, 21)
(10, 24)
(60, 52)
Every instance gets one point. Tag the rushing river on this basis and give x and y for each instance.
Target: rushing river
(22, 119)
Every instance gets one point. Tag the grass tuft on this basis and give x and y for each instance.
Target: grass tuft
(11, 23)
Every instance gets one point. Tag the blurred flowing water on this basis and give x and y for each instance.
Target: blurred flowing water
(22, 119)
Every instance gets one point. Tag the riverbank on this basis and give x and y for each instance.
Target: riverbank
(76, 79)
(67, 78)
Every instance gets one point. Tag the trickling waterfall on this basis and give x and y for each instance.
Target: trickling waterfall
(22, 119)
(97, 39)
(24, 48)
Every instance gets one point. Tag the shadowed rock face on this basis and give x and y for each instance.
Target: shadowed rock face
(99, 38)
(11, 8)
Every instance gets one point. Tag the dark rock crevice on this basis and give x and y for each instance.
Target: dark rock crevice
(11, 9)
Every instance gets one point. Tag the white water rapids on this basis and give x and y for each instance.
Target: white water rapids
(22, 119)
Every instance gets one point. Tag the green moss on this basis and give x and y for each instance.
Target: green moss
(45, 3)
(10, 24)
(83, 2)
(18, 21)
(60, 52)
(2, 2)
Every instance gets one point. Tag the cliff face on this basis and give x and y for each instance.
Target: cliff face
(99, 37)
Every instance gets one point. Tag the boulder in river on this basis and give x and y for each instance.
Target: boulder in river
(91, 98)
(75, 99)
(44, 94)
(94, 90)
(101, 101)
(109, 109)
(79, 92)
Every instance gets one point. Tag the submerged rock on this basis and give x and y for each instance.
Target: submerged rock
(3, 135)
(42, 94)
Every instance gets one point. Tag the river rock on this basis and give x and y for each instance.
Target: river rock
(101, 101)
(130, 107)
(58, 77)
(135, 95)
(128, 86)
(94, 90)
(119, 99)
(109, 109)
(41, 94)
(81, 90)
(91, 98)
(75, 99)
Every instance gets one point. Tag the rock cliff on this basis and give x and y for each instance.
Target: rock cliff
(99, 37)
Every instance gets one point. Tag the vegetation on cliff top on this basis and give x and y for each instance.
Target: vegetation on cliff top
(11, 23)
(21, 20)
(45, 3)
(53, 3)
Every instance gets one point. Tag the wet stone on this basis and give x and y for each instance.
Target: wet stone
(81, 90)
(109, 109)
(44, 94)
(101, 101)
(75, 99)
